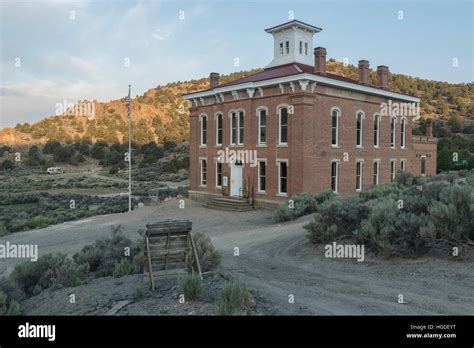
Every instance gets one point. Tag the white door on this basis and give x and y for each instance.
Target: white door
(236, 179)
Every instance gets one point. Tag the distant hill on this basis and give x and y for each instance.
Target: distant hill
(161, 113)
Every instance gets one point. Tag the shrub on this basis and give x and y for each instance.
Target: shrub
(105, 255)
(452, 216)
(138, 294)
(3, 229)
(234, 299)
(404, 179)
(191, 286)
(8, 307)
(123, 268)
(302, 204)
(169, 145)
(379, 191)
(336, 217)
(209, 258)
(392, 231)
(51, 270)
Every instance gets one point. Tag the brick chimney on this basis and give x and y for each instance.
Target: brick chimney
(382, 76)
(429, 128)
(364, 72)
(214, 79)
(320, 60)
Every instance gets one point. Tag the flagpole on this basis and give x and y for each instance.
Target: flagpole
(129, 151)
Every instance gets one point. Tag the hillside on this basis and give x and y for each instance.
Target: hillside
(161, 113)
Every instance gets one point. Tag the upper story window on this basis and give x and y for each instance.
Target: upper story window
(393, 121)
(393, 170)
(219, 119)
(403, 128)
(281, 48)
(287, 47)
(376, 130)
(203, 120)
(335, 113)
(301, 47)
(306, 48)
(284, 47)
(262, 126)
(233, 128)
(283, 121)
(241, 127)
(360, 118)
(423, 165)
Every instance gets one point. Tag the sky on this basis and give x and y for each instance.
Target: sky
(55, 51)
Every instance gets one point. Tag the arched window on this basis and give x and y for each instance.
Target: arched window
(403, 126)
(335, 113)
(359, 128)
(262, 126)
(376, 130)
(393, 121)
(219, 120)
(203, 121)
(283, 123)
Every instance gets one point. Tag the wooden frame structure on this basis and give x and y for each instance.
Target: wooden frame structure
(167, 246)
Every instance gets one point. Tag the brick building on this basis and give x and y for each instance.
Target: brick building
(294, 128)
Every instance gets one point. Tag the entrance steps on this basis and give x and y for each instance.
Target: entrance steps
(228, 204)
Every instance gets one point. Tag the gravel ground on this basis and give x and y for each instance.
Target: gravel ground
(117, 296)
(277, 263)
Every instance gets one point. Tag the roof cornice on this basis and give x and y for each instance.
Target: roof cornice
(304, 76)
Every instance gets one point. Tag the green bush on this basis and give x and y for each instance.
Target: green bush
(209, 258)
(404, 179)
(379, 191)
(7, 306)
(191, 286)
(51, 270)
(302, 204)
(122, 268)
(336, 217)
(452, 217)
(234, 299)
(391, 231)
(104, 257)
(138, 294)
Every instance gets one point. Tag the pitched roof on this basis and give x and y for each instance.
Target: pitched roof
(286, 70)
(294, 22)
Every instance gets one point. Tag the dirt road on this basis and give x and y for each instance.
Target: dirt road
(279, 263)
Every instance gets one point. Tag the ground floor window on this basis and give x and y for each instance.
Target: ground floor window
(403, 166)
(282, 177)
(218, 174)
(359, 176)
(423, 165)
(392, 170)
(376, 173)
(203, 172)
(334, 175)
(262, 176)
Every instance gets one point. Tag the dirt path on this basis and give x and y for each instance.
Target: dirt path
(277, 261)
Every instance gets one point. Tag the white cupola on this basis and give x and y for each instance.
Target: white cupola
(292, 43)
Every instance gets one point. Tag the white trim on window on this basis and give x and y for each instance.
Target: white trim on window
(335, 177)
(264, 161)
(203, 172)
(361, 129)
(359, 175)
(216, 123)
(393, 169)
(393, 132)
(203, 132)
(279, 162)
(376, 130)
(279, 108)
(232, 114)
(403, 165)
(376, 171)
(403, 133)
(338, 110)
(217, 163)
(258, 111)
